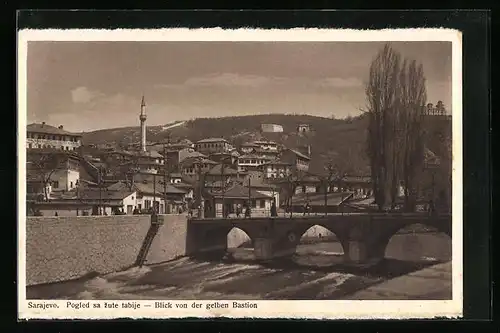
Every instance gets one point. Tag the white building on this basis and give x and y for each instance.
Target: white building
(252, 161)
(277, 169)
(271, 128)
(39, 136)
(55, 170)
(303, 128)
(267, 145)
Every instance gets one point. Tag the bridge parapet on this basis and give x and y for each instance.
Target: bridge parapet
(364, 237)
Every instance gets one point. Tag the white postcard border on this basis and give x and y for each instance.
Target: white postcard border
(362, 309)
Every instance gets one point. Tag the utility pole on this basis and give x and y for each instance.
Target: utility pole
(201, 204)
(100, 191)
(222, 187)
(249, 197)
(154, 193)
(326, 196)
(164, 179)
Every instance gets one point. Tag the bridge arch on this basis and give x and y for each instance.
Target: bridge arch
(411, 233)
(321, 233)
(238, 237)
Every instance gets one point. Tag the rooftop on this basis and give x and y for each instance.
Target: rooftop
(299, 154)
(256, 156)
(190, 161)
(228, 171)
(212, 140)
(239, 192)
(48, 129)
(147, 187)
(249, 144)
(265, 142)
(315, 199)
(93, 194)
(277, 162)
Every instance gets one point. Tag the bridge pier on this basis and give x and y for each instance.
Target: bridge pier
(356, 252)
(269, 248)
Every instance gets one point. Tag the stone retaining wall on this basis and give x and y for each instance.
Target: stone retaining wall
(65, 248)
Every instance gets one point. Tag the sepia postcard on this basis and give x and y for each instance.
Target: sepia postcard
(303, 173)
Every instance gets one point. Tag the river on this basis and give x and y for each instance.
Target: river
(315, 272)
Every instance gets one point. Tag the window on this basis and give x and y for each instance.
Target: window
(29, 145)
(262, 203)
(254, 203)
(55, 184)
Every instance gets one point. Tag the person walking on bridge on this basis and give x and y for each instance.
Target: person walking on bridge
(274, 211)
(238, 210)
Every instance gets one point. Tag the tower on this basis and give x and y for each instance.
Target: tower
(142, 118)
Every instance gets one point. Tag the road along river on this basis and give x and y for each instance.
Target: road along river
(315, 272)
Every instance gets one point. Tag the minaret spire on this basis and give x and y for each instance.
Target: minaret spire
(142, 118)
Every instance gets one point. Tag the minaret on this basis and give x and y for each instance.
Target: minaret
(142, 118)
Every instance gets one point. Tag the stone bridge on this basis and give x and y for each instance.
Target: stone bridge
(364, 237)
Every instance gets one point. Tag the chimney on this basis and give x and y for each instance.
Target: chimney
(61, 127)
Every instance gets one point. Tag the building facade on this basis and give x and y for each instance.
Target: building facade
(271, 128)
(277, 169)
(252, 161)
(213, 145)
(40, 136)
(298, 160)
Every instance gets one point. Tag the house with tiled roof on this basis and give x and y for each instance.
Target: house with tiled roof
(191, 166)
(39, 136)
(298, 160)
(224, 172)
(253, 161)
(277, 169)
(213, 145)
(227, 201)
(152, 193)
(88, 201)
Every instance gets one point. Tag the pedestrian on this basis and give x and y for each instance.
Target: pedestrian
(274, 211)
(238, 210)
(248, 213)
(56, 214)
(432, 209)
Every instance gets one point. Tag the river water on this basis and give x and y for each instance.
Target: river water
(315, 272)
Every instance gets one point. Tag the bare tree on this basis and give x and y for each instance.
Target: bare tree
(396, 98)
(381, 93)
(44, 165)
(413, 100)
(292, 181)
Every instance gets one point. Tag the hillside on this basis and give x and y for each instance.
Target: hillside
(329, 137)
(341, 140)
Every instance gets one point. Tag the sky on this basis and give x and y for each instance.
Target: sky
(87, 86)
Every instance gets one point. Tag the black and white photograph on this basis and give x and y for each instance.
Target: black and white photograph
(219, 173)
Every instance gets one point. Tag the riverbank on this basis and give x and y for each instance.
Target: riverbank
(432, 282)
